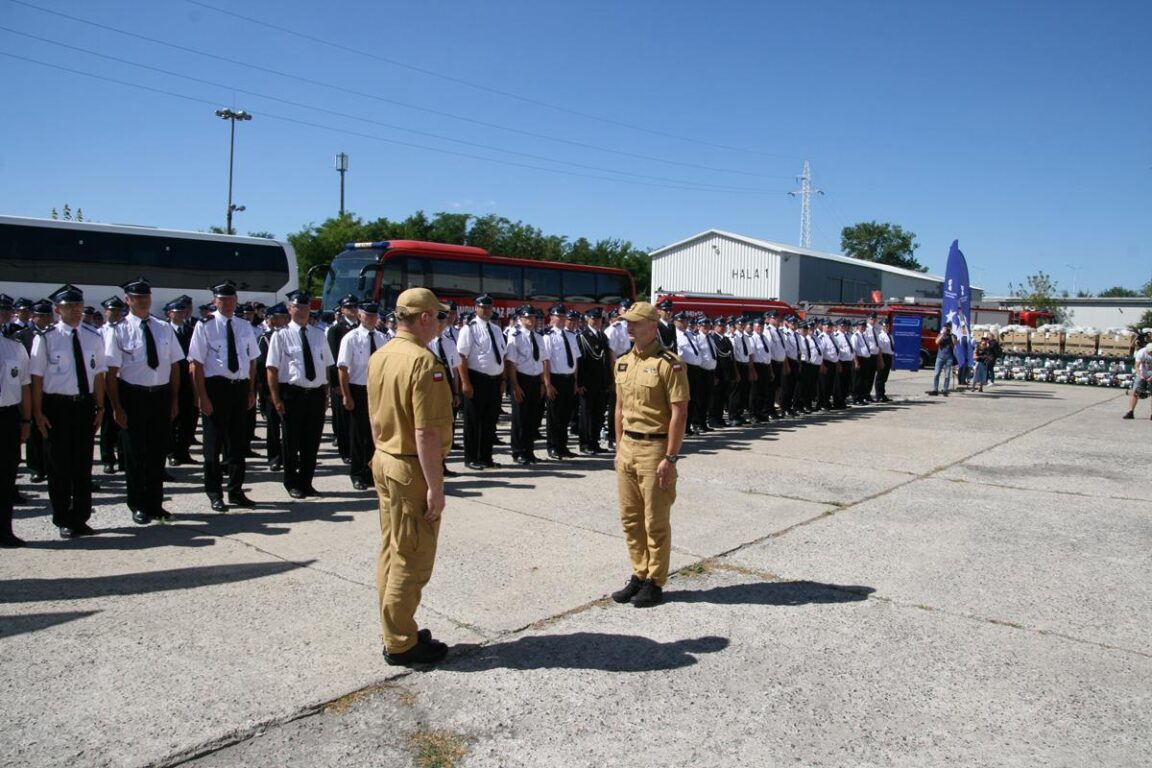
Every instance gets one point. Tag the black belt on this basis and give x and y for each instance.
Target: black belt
(472, 373)
(643, 436)
(69, 398)
(142, 388)
(9, 407)
(303, 389)
(357, 386)
(226, 380)
(563, 375)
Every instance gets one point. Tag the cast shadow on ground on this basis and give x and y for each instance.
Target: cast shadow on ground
(84, 587)
(583, 650)
(10, 626)
(771, 593)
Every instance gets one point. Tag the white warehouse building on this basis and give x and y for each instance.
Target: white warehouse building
(747, 267)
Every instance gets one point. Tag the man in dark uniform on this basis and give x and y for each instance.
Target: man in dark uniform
(727, 374)
(15, 422)
(41, 321)
(593, 380)
(110, 454)
(665, 327)
(23, 309)
(341, 421)
(297, 364)
(277, 318)
(67, 367)
(184, 425)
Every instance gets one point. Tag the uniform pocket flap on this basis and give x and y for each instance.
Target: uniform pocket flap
(398, 469)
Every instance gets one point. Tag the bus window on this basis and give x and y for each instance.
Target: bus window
(579, 286)
(541, 284)
(501, 281)
(611, 289)
(454, 277)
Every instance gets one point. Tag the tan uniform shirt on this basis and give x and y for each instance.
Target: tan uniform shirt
(408, 389)
(650, 381)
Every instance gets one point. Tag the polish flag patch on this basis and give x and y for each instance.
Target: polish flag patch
(437, 376)
(676, 366)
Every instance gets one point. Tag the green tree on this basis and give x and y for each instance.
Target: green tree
(265, 235)
(882, 243)
(1039, 291)
(1118, 291)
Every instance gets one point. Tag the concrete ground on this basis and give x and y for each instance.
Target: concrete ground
(930, 582)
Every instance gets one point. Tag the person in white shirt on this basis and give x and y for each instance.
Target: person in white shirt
(781, 365)
(880, 332)
(563, 354)
(481, 375)
(810, 362)
(1142, 381)
(143, 356)
(15, 427)
(742, 354)
(830, 355)
(874, 363)
(525, 369)
(298, 360)
(356, 347)
(689, 351)
(67, 368)
(865, 367)
(222, 360)
(762, 399)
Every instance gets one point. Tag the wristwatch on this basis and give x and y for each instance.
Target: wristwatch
(672, 459)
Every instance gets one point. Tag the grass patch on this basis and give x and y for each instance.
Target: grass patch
(436, 748)
(341, 705)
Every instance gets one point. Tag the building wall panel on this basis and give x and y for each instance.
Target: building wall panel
(718, 265)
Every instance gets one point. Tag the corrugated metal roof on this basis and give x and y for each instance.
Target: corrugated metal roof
(782, 247)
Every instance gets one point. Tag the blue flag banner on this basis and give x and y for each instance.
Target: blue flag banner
(956, 307)
(906, 332)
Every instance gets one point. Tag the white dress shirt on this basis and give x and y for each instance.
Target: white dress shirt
(209, 346)
(355, 349)
(883, 341)
(125, 349)
(791, 350)
(556, 342)
(859, 346)
(828, 350)
(445, 350)
(707, 347)
(618, 340)
(843, 346)
(741, 347)
(286, 355)
(476, 345)
(687, 347)
(870, 333)
(761, 344)
(526, 350)
(778, 349)
(15, 372)
(53, 360)
(809, 350)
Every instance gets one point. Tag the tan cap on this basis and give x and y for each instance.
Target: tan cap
(420, 300)
(641, 310)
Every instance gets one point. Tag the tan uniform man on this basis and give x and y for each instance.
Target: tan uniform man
(651, 412)
(410, 408)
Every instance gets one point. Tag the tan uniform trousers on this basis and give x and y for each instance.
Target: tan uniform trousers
(407, 546)
(645, 507)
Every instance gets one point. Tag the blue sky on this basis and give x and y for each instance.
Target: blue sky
(1022, 128)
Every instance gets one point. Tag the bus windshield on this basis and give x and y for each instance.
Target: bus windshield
(344, 276)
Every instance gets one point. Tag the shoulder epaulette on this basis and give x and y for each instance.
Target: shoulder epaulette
(90, 329)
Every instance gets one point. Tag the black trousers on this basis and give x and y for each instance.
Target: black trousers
(480, 414)
(843, 384)
(360, 447)
(593, 403)
(789, 384)
(69, 452)
(721, 393)
(864, 376)
(826, 387)
(775, 388)
(34, 453)
(110, 438)
(225, 435)
(695, 391)
(738, 396)
(560, 411)
(760, 391)
(9, 461)
(526, 416)
(882, 377)
(341, 423)
(187, 414)
(303, 428)
(144, 443)
(273, 429)
(809, 383)
(704, 400)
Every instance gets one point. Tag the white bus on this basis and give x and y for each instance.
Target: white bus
(39, 255)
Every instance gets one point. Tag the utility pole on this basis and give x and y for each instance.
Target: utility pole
(342, 168)
(232, 116)
(805, 192)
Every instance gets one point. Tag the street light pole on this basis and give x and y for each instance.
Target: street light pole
(232, 116)
(342, 168)
(1074, 271)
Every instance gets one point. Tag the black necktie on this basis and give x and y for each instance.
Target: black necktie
(744, 344)
(567, 349)
(78, 356)
(535, 348)
(309, 364)
(371, 343)
(233, 360)
(492, 338)
(150, 347)
(692, 344)
(443, 357)
(711, 344)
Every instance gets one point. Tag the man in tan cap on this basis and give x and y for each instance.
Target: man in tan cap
(410, 408)
(651, 413)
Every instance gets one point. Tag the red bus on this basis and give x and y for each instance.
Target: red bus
(460, 273)
(716, 304)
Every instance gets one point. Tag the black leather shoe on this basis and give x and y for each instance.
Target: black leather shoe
(360, 485)
(84, 530)
(424, 652)
(173, 461)
(629, 591)
(68, 533)
(186, 459)
(345, 460)
(167, 477)
(296, 493)
(275, 466)
(450, 473)
(219, 505)
(554, 455)
(457, 447)
(10, 541)
(162, 515)
(312, 492)
(19, 498)
(240, 500)
(109, 469)
(648, 595)
(140, 517)
(477, 465)
(38, 477)
(521, 460)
